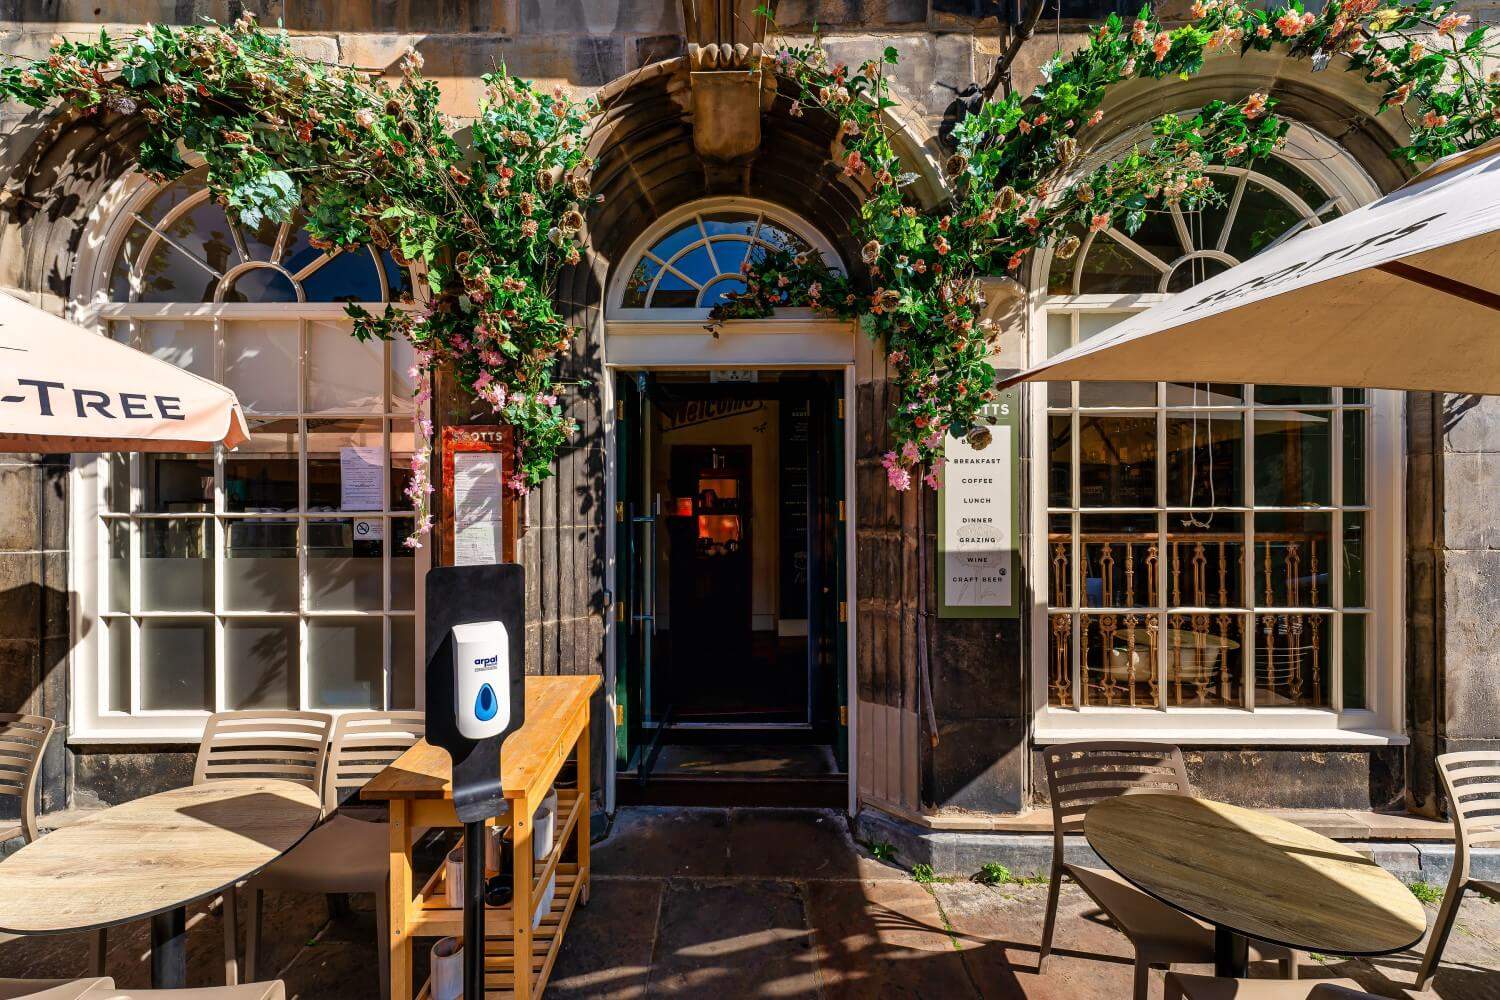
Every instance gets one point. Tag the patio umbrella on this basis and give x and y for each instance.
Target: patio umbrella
(1403, 293)
(65, 389)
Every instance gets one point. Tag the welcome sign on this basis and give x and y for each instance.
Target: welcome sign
(978, 519)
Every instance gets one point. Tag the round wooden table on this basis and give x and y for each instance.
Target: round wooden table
(151, 858)
(1252, 875)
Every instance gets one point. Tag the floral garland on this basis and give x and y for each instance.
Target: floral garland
(360, 162)
(1017, 184)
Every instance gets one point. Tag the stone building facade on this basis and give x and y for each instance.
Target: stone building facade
(947, 754)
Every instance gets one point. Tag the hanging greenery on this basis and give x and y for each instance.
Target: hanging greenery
(1017, 182)
(488, 223)
(491, 221)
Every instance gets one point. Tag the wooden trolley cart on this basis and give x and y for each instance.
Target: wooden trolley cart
(419, 790)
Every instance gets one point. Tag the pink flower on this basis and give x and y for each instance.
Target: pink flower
(1255, 105)
(888, 460)
(1289, 24)
(1099, 222)
(1434, 120)
(1447, 25)
(931, 479)
(899, 478)
(1138, 31)
(909, 452)
(1162, 45)
(854, 164)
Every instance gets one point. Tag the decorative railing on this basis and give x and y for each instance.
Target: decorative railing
(1205, 572)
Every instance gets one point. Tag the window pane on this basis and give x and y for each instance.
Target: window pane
(1119, 659)
(403, 442)
(1294, 459)
(1120, 554)
(403, 663)
(119, 564)
(343, 573)
(117, 483)
(1204, 394)
(260, 668)
(1354, 560)
(177, 565)
(403, 383)
(668, 245)
(1059, 332)
(1117, 461)
(1116, 393)
(1060, 471)
(260, 476)
(346, 465)
(177, 484)
(261, 284)
(696, 266)
(1205, 660)
(345, 660)
(177, 665)
(1291, 560)
(1262, 217)
(729, 223)
(1060, 560)
(347, 277)
(260, 565)
(1060, 660)
(1205, 460)
(1206, 559)
(1109, 267)
(639, 283)
(117, 698)
(119, 275)
(1291, 660)
(261, 363)
(1292, 395)
(1354, 458)
(403, 565)
(169, 275)
(716, 292)
(674, 293)
(185, 344)
(1354, 662)
(343, 373)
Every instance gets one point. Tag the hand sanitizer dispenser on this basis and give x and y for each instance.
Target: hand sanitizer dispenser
(481, 676)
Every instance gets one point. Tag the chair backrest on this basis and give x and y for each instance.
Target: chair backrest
(1472, 781)
(22, 740)
(271, 744)
(363, 744)
(1081, 774)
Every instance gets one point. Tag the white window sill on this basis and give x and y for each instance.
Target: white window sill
(1166, 732)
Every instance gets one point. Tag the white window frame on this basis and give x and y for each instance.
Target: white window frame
(1382, 722)
(90, 721)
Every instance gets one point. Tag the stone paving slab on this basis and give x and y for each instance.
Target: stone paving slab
(688, 904)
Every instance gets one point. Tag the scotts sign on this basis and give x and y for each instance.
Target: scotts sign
(64, 388)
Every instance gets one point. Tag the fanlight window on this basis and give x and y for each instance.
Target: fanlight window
(1175, 250)
(181, 247)
(698, 262)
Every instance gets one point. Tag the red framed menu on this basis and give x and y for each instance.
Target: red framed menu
(478, 519)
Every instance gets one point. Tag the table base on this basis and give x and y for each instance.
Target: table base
(1231, 954)
(169, 949)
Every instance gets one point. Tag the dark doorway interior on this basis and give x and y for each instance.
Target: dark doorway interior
(730, 659)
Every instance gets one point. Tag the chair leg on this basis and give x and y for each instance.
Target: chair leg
(231, 916)
(1049, 922)
(383, 937)
(1172, 990)
(1441, 928)
(1290, 963)
(1142, 978)
(252, 937)
(99, 951)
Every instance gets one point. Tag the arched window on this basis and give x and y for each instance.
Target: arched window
(1224, 553)
(274, 575)
(692, 257)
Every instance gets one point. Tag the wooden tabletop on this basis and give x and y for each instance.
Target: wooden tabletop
(152, 855)
(557, 709)
(1253, 873)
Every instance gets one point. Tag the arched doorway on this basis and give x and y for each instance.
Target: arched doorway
(729, 478)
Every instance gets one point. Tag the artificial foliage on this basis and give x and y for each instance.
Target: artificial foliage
(1019, 178)
(489, 222)
(486, 224)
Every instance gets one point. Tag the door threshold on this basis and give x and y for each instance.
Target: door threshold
(825, 792)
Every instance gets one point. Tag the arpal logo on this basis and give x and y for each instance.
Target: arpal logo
(488, 662)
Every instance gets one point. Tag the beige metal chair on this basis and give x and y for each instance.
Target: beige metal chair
(22, 740)
(1082, 774)
(103, 988)
(277, 743)
(1472, 783)
(344, 854)
(1184, 987)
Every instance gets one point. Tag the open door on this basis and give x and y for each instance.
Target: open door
(635, 529)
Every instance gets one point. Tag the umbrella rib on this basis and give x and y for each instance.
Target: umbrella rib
(1441, 283)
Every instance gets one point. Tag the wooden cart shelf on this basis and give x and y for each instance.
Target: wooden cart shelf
(418, 788)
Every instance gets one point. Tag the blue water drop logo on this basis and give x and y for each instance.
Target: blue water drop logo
(486, 705)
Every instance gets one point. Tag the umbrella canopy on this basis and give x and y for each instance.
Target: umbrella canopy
(1403, 293)
(63, 388)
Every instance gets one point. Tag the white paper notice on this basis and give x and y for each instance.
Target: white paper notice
(478, 506)
(368, 529)
(361, 478)
(977, 543)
